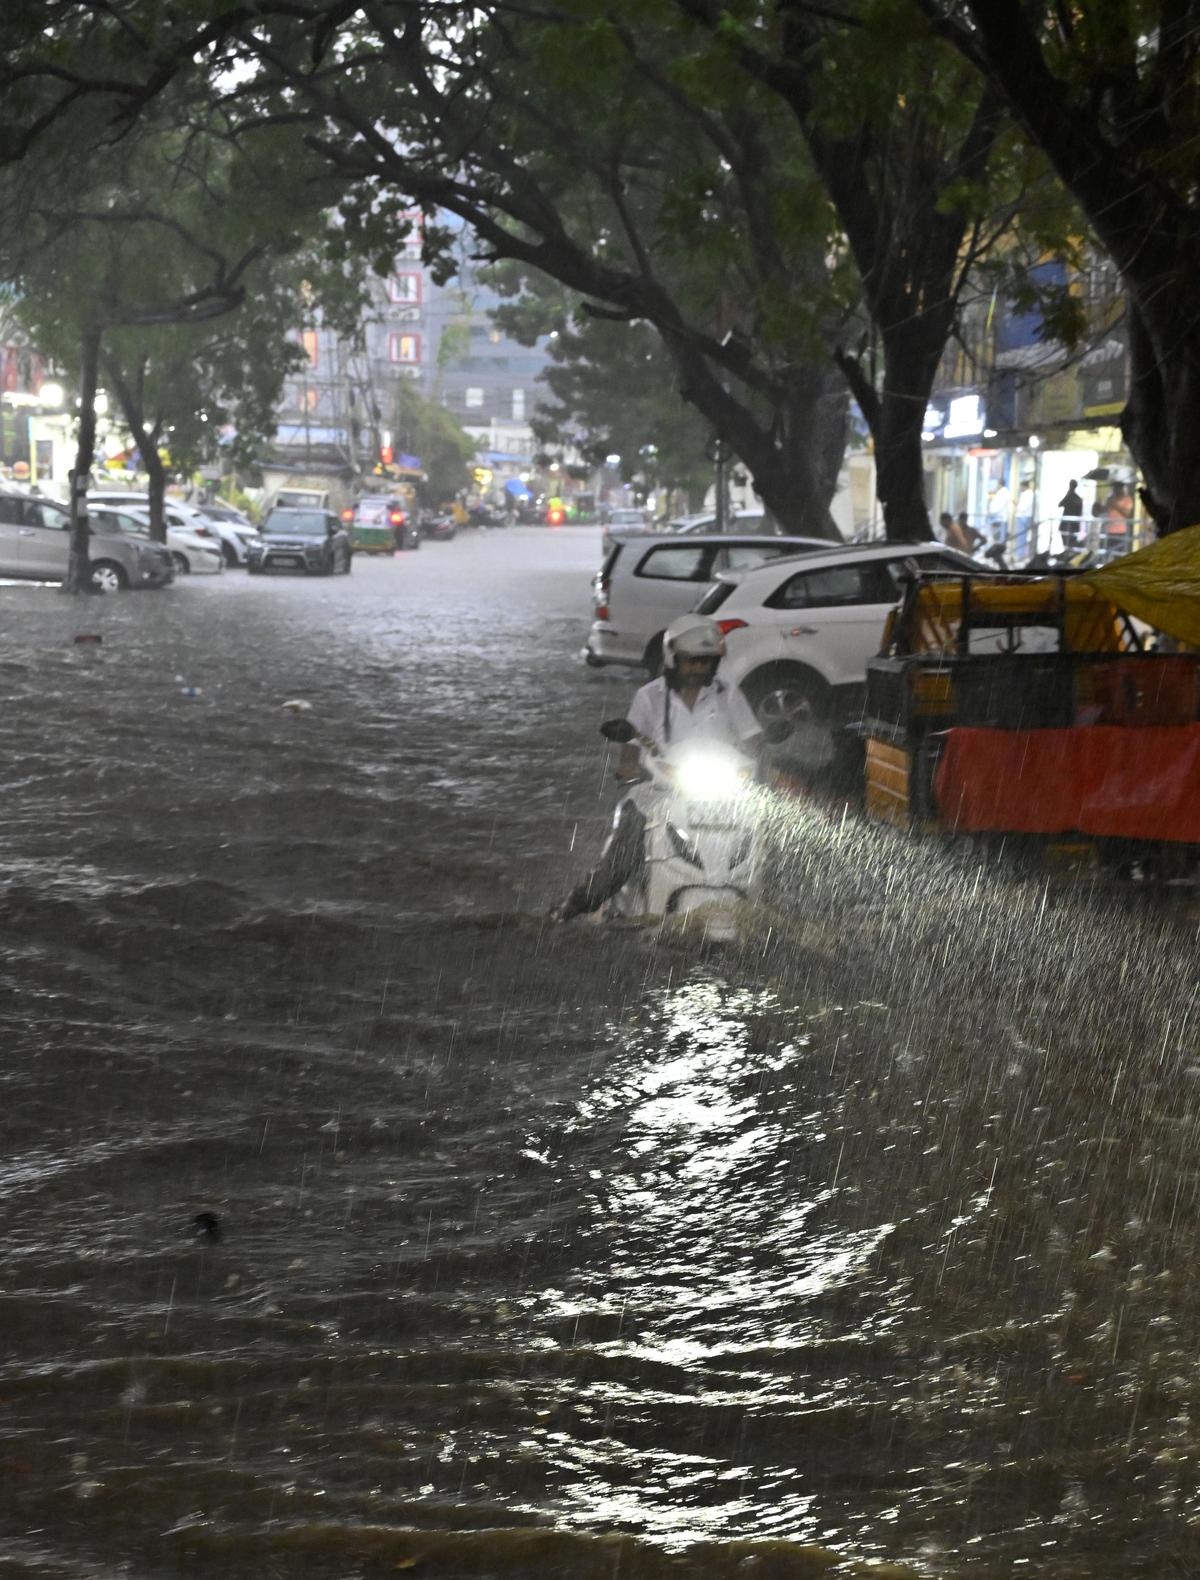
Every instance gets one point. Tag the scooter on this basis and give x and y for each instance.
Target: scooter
(702, 846)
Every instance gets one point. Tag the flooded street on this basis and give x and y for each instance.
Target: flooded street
(544, 1251)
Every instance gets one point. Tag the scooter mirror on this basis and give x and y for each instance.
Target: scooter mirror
(619, 731)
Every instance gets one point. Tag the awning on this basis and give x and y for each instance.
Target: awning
(517, 488)
(1159, 584)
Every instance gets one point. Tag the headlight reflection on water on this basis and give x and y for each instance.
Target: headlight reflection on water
(713, 1206)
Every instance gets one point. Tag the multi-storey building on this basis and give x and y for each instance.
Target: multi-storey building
(337, 416)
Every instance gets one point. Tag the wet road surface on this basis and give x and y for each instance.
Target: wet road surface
(544, 1251)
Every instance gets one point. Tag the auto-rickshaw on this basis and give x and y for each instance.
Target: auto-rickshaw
(382, 523)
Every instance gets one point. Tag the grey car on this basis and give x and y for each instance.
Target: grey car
(313, 541)
(35, 542)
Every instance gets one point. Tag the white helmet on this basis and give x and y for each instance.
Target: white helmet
(692, 636)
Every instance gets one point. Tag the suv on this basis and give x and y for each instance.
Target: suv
(800, 631)
(35, 545)
(313, 541)
(648, 579)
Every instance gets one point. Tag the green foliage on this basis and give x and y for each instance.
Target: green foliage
(424, 428)
(198, 256)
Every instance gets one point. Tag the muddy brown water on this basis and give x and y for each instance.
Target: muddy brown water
(547, 1252)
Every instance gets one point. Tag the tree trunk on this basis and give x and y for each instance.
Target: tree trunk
(79, 573)
(899, 464)
(794, 460)
(797, 480)
(1162, 415)
(130, 396)
(895, 418)
(157, 474)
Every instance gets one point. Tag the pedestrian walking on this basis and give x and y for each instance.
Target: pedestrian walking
(1071, 525)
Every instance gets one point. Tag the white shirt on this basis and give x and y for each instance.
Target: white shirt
(721, 714)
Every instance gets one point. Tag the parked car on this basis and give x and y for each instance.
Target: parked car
(645, 581)
(438, 527)
(800, 631)
(35, 545)
(230, 539)
(235, 531)
(381, 524)
(706, 521)
(193, 553)
(623, 517)
(313, 541)
(743, 521)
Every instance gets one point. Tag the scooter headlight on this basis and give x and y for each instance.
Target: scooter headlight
(710, 777)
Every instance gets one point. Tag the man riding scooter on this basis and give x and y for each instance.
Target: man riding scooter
(686, 704)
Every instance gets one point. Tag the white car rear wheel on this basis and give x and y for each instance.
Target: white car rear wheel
(183, 566)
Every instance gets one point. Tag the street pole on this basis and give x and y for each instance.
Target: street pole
(722, 465)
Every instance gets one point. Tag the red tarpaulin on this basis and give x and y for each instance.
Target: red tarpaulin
(1130, 783)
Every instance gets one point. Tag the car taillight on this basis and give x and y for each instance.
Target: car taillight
(726, 626)
(202, 532)
(348, 515)
(602, 601)
(555, 518)
(396, 518)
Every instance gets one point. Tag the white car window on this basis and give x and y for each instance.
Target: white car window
(676, 563)
(835, 587)
(744, 556)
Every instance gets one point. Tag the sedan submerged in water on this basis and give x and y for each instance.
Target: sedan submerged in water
(313, 541)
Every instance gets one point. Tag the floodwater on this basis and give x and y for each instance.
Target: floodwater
(544, 1251)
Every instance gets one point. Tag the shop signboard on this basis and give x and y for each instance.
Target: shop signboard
(1053, 400)
(957, 416)
(1103, 373)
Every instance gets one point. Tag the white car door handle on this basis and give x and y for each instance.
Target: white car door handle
(803, 630)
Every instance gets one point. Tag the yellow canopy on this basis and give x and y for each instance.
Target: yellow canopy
(1089, 617)
(1159, 584)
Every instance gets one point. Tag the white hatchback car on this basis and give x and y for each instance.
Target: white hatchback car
(648, 579)
(799, 632)
(191, 553)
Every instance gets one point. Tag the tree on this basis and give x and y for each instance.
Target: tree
(427, 430)
(612, 391)
(673, 161)
(176, 268)
(1107, 92)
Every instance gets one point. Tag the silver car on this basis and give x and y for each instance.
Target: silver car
(35, 542)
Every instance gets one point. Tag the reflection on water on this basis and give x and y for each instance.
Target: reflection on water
(876, 1234)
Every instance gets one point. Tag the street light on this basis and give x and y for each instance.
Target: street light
(50, 394)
